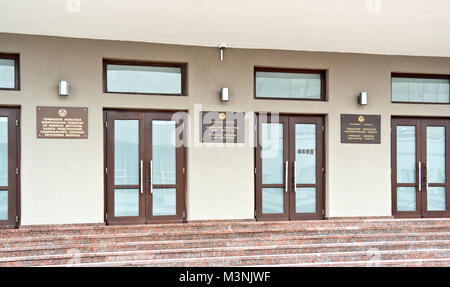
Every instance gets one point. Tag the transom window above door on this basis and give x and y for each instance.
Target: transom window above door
(136, 77)
(420, 88)
(9, 72)
(291, 84)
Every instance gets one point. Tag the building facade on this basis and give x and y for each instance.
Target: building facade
(63, 180)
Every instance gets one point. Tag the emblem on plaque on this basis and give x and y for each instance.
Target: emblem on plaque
(361, 119)
(62, 113)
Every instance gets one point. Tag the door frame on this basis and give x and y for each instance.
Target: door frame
(14, 220)
(144, 112)
(421, 197)
(287, 142)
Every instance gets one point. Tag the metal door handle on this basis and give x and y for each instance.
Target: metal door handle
(286, 176)
(295, 176)
(426, 177)
(142, 176)
(151, 176)
(420, 176)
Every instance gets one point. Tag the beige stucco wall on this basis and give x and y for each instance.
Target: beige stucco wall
(62, 180)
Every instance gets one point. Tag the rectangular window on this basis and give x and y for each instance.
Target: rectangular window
(276, 83)
(134, 77)
(9, 71)
(420, 88)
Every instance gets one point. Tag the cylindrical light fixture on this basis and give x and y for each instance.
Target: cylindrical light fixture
(362, 98)
(63, 88)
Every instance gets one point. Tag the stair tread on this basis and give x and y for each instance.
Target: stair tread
(216, 258)
(210, 232)
(244, 240)
(362, 263)
(218, 249)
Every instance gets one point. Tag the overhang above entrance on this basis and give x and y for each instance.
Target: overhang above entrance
(400, 27)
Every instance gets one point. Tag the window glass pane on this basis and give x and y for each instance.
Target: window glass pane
(164, 201)
(143, 79)
(305, 153)
(126, 152)
(288, 85)
(272, 200)
(436, 154)
(126, 202)
(7, 73)
(164, 152)
(305, 200)
(272, 153)
(3, 151)
(3, 205)
(406, 154)
(420, 90)
(436, 198)
(406, 198)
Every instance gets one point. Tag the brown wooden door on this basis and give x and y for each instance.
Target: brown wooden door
(420, 167)
(145, 167)
(9, 178)
(307, 173)
(289, 168)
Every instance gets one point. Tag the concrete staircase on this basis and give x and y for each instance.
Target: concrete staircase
(343, 242)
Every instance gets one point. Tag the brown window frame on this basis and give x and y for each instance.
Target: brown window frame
(16, 58)
(183, 67)
(418, 76)
(322, 73)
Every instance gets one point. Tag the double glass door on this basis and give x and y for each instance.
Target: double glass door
(420, 167)
(145, 167)
(289, 168)
(9, 173)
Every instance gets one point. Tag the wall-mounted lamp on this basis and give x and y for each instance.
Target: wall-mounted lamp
(222, 48)
(362, 98)
(224, 97)
(63, 88)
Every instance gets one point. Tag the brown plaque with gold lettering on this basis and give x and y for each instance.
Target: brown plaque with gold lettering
(222, 127)
(363, 129)
(62, 123)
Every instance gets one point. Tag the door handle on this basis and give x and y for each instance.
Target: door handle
(426, 177)
(151, 177)
(286, 176)
(142, 176)
(295, 176)
(420, 176)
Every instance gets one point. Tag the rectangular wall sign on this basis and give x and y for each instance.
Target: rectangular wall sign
(222, 127)
(362, 129)
(62, 123)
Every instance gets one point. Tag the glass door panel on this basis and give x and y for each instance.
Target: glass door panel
(273, 171)
(306, 154)
(436, 140)
(406, 158)
(126, 168)
(272, 175)
(305, 168)
(272, 154)
(163, 168)
(4, 168)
